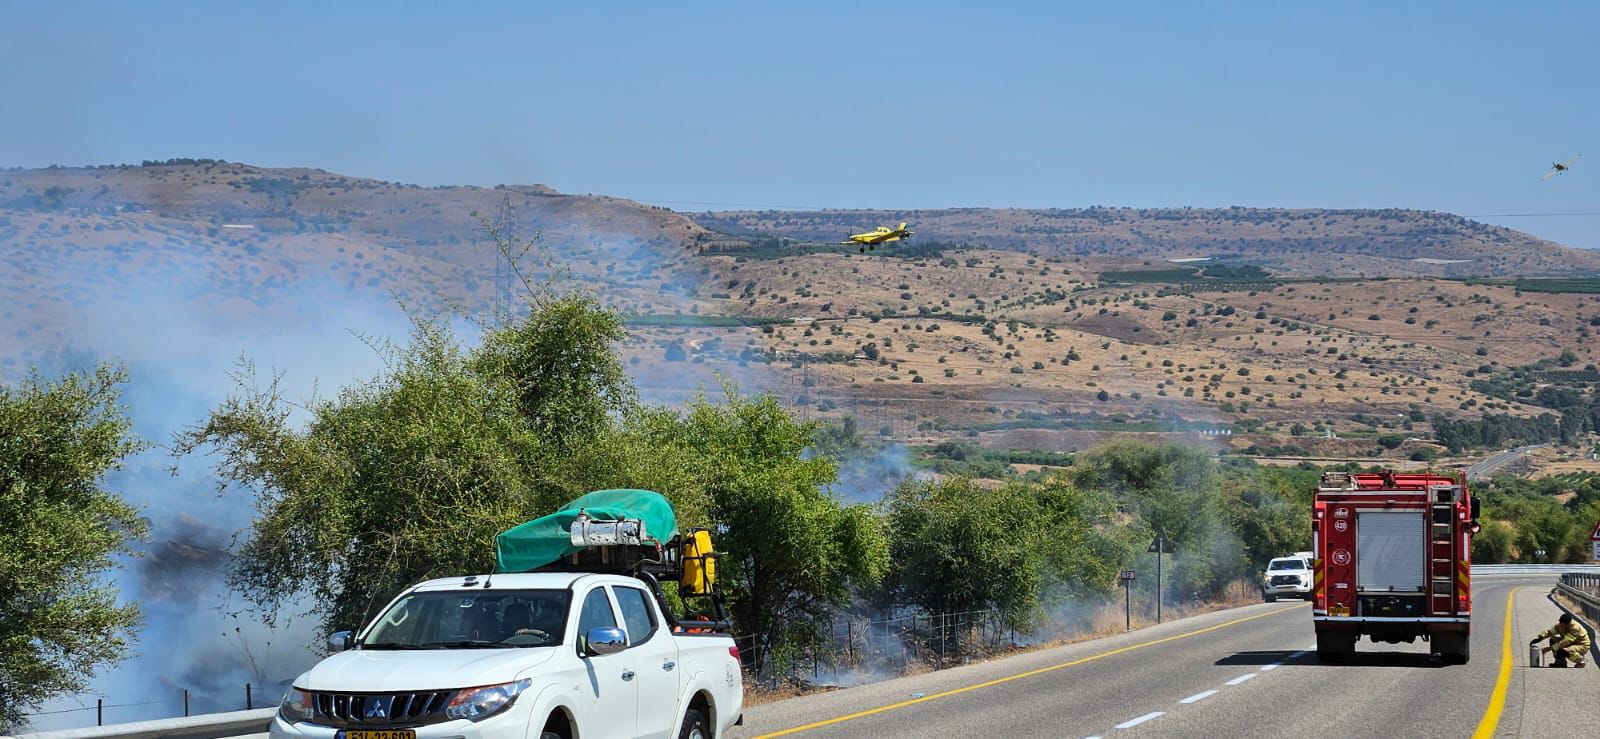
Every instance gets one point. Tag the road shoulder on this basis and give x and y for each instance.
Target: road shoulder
(1553, 703)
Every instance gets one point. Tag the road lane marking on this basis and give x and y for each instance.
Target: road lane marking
(1497, 699)
(1018, 676)
(1241, 679)
(1271, 667)
(1135, 722)
(1197, 697)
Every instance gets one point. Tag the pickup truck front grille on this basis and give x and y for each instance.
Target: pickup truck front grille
(346, 710)
(1285, 579)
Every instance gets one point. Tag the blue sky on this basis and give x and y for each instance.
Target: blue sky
(1451, 106)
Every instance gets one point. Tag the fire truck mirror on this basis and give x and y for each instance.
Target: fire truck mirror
(1476, 509)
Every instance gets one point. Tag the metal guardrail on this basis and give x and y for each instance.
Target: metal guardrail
(1584, 589)
(1532, 569)
(204, 726)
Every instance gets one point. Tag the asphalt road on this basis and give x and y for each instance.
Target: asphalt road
(1486, 467)
(1249, 671)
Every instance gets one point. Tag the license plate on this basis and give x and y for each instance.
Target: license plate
(378, 734)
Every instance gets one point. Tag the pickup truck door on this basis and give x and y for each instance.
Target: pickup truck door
(608, 694)
(653, 652)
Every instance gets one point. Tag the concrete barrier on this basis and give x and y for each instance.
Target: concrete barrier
(204, 726)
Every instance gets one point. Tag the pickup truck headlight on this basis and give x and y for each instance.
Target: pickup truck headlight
(482, 702)
(298, 705)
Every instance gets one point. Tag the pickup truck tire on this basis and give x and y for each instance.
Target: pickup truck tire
(1270, 597)
(694, 725)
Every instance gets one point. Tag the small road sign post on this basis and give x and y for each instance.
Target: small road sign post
(1126, 576)
(1160, 546)
(1594, 542)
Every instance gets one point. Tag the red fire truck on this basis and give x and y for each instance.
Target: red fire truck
(1393, 557)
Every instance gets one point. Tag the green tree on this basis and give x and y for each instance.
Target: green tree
(793, 552)
(1492, 545)
(59, 533)
(559, 364)
(1172, 489)
(958, 546)
(406, 476)
(1268, 519)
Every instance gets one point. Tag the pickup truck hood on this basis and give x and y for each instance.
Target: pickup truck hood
(383, 670)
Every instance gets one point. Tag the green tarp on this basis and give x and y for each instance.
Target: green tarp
(548, 538)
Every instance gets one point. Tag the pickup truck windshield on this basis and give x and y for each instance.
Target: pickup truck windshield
(1289, 564)
(471, 619)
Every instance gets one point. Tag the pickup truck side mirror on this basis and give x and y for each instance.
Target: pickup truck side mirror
(605, 640)
(339, 641)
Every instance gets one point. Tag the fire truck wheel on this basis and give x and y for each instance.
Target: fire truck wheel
(1453, 649)
(1335, 647)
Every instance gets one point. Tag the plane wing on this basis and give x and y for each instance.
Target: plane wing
(1548, 175)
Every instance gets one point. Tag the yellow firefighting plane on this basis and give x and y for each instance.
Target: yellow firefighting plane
(1555, 168)
(879, 235)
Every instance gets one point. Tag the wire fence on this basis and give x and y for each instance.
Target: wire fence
(182, 703)
(859, 648)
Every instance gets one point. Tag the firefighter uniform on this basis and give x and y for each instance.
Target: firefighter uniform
(1567, 645)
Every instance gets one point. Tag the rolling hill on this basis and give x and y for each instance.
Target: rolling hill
(1314, 332)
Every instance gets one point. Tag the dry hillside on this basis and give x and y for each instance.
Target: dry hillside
(1303, 242)
(1048, 330)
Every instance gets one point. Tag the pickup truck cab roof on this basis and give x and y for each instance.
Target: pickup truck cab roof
(517, 581)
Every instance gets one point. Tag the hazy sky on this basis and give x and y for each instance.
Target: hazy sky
(1452, 106)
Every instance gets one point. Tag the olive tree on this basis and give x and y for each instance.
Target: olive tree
(60, 533)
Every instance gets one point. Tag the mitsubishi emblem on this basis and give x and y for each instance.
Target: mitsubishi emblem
(378, 707)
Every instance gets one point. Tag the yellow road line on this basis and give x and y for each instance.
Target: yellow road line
(1497, 699)
(1018, 676)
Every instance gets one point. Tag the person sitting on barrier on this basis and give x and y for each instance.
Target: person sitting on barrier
(1568, 642)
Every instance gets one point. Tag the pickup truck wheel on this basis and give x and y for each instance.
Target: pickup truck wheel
(1270, 597)
(550, 735)
(694, 725)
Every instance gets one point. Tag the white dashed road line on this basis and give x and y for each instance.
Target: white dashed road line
(1135, 722)
(1197, 697)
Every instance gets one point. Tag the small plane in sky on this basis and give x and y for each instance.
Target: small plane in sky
(879, 235)
(1555, 168)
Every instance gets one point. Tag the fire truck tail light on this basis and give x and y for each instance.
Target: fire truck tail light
(1321, 602)
(1462, 606)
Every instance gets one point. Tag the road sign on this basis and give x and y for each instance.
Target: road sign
(1125, 575)
(1161, 542)
(1595, 535)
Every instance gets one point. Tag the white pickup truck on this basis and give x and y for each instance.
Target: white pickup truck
(543, 655)
(1287, 576)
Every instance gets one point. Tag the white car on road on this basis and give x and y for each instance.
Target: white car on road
(1287, 576)
(517, 656)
